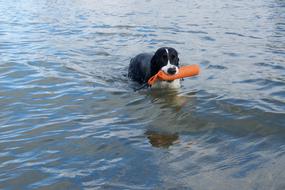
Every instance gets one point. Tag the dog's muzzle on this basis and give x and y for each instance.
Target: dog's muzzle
(171, 70)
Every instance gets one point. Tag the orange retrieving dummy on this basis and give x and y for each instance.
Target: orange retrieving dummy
(185, 71)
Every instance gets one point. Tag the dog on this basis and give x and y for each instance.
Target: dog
(145, 65)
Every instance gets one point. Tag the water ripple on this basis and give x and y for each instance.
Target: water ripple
(71, 119)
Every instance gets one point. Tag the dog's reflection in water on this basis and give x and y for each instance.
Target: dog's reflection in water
(168, 98)
(162, 140)
(163, 131)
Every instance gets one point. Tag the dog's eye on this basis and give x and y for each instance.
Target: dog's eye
(173, 56)
(164, 57)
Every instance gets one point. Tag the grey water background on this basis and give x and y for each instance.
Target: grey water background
(70, 119)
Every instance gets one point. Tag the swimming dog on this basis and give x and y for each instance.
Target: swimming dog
(145, 65)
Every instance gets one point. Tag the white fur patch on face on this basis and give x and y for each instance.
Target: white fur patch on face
(168, 66)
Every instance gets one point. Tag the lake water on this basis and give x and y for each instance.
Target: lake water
(70, 119)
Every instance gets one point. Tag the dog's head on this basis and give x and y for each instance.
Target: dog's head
(165, 59)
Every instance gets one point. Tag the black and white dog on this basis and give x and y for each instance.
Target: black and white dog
(145, 65)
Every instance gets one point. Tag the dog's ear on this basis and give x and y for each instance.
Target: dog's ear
(154, 65)
(178, 62)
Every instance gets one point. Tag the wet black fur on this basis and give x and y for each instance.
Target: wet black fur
(145, 65)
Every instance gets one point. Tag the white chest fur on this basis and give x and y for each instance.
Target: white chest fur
(165, 84)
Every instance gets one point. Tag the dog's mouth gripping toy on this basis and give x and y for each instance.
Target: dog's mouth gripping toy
(184, 71)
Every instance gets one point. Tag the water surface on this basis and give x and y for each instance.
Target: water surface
(70, 119)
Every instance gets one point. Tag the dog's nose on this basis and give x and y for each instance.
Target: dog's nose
(171, 70)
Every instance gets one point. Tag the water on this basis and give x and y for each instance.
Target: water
(70, 119)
